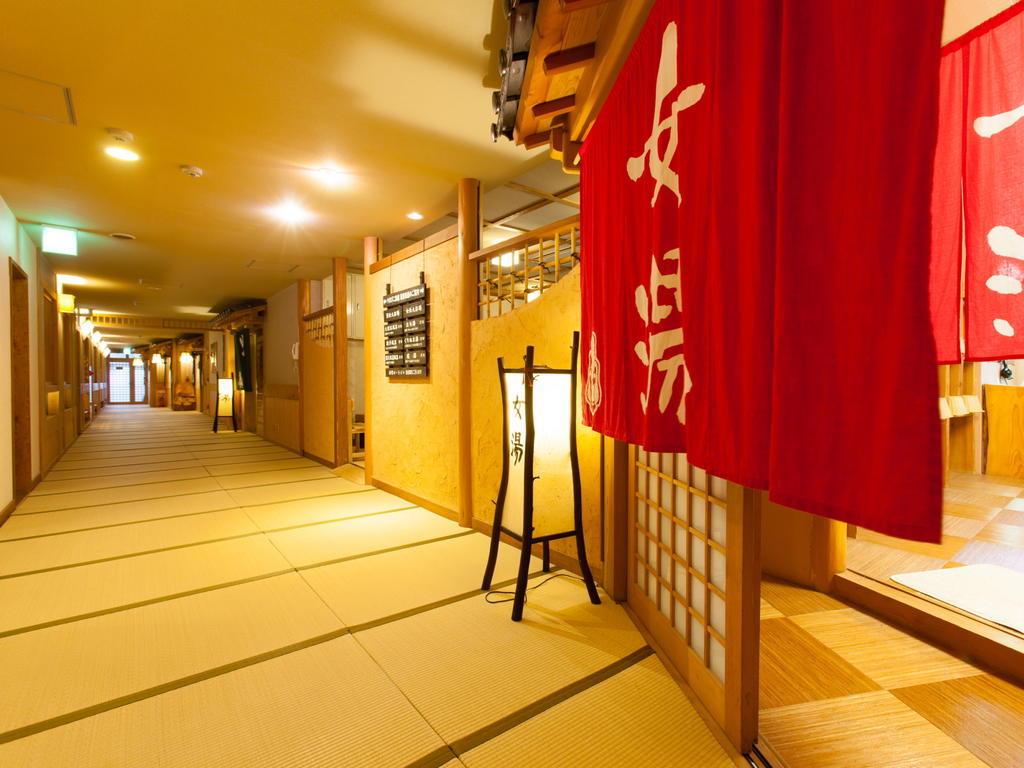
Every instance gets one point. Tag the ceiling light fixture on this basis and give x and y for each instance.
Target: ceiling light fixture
(290, 212)
(414, 215)
(332, 177)
(60, 240)
(192, 171)
(122, 153)
(121, 148)
(70, 280)
(121, 236)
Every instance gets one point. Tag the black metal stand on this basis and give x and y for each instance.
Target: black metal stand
(530, 371)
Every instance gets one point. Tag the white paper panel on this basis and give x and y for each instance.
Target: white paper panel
(512, 511)
(552, 490)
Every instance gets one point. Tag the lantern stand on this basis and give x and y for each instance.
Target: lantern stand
(530, 373)
(225, 392)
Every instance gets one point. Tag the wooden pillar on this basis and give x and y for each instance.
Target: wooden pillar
(371, 252)
(469, 241)
(616, 503)
(303, 304)
(342, 434)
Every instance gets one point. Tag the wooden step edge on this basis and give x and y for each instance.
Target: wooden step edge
(980, 643)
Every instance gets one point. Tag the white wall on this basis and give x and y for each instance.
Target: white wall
(16, 246)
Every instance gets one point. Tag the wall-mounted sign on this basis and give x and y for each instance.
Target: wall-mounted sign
(406, 332)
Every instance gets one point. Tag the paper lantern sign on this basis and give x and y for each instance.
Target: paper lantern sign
(539, 497)
(406, 328)
(224, 403)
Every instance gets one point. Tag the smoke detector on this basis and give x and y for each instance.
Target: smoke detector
(118, 135)
(121, 236)
(192, 171)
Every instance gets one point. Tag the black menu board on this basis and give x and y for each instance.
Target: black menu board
(406, 332)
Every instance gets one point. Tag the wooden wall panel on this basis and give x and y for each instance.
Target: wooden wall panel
(800, 547)
(317, 400)
(281, 417)
(1004, 406)
(413, 442)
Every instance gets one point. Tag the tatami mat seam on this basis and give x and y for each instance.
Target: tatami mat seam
(128, 555)
(16, 513)
(45, 494)
(260, 577)
(120, 701)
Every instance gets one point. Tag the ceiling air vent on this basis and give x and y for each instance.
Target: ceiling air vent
(37, 98)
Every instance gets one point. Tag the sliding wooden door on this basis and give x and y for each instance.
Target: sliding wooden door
(694, 581)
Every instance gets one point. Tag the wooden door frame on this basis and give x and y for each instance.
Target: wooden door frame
(21, 389)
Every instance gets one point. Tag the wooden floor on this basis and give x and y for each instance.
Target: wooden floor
(983, 522)
(840, 688)
(171, 597)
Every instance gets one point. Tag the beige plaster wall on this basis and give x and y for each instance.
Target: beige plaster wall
(548, 324)
(413, 439)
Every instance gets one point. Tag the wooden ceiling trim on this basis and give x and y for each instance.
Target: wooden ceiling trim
(555, 31)
(571, 58)
(577, 50)
(555, 106)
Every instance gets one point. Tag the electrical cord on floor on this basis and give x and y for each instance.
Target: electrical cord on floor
(512, 593)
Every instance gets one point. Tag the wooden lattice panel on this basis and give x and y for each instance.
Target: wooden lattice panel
(522, 273)
(679, 522)
(320, 329)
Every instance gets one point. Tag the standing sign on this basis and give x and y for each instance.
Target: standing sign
(539, 497)
(406, 332)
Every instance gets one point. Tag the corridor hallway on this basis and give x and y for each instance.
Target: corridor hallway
(176, 597)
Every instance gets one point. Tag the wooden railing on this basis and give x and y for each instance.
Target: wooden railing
(517, 271)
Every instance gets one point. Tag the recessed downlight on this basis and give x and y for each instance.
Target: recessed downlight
(414, 215)
(290, 212)
(122, 236)
(122, 153)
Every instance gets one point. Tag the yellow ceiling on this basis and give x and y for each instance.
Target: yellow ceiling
(257, 94)
(394, 92)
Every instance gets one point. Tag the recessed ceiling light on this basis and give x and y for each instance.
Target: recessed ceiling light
(290, 212)
(71, 280)
(415, 216)
(122, 236)
(122, 153)
(60, 240)
(332, 177)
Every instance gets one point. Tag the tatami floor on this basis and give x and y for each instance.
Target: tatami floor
(171, 597)
(841, 688)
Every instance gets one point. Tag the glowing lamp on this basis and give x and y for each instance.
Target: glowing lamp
(225, 403)
(539, 496)
(65, 302)
(137, 362)
(60, 240)
(158, 359)
(86, 327)
(185, 358)
(96, 337)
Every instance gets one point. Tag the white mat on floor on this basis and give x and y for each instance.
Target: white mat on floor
(989, 591)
